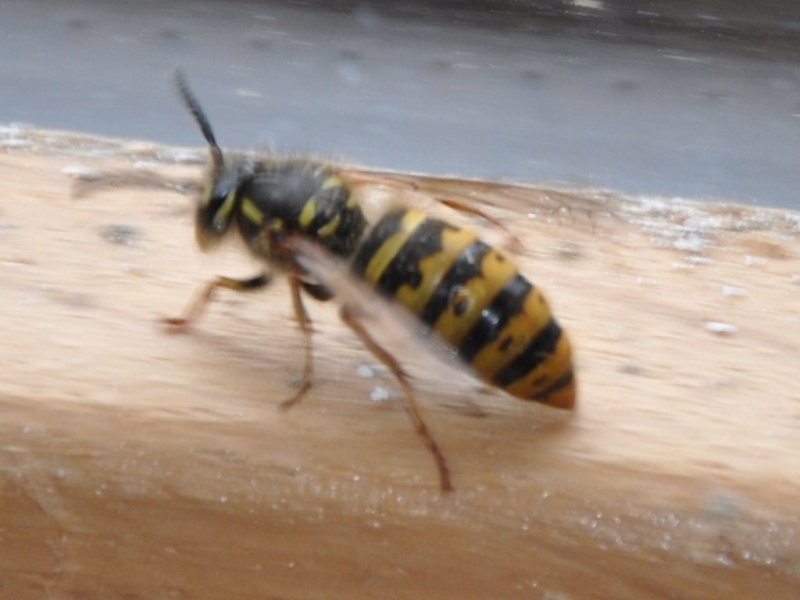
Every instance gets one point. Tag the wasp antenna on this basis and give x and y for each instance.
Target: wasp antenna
(194, 107)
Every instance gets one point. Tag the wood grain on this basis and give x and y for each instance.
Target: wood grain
(135, 463)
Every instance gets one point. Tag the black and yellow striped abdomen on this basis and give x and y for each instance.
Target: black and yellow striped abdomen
(474, 298)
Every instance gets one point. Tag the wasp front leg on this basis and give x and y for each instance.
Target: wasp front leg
(195, 309)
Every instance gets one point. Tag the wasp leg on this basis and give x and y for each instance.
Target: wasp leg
(195, 309)
(514, 242)
(300, 313)
(410, 403)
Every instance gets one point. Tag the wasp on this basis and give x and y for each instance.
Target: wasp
(298, 216)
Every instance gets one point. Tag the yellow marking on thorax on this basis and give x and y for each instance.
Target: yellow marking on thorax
(329, 228)
(308, 213)
(391, 246)
(251, 212)
(332, 182)
(497, 270)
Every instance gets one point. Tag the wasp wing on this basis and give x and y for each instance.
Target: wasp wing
(395, 327)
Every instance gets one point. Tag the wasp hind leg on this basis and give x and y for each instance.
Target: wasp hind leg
(195, 309)
(409, 403)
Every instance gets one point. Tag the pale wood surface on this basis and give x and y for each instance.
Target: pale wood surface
(139, 464)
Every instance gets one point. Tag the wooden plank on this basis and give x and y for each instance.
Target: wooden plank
(141, 464)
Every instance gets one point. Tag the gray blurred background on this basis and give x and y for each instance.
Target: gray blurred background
(696, 99)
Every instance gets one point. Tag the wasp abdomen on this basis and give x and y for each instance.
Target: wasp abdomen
(473, 297)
